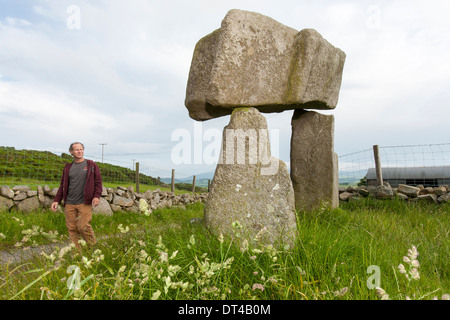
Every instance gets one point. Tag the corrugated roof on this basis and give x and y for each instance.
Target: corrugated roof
(441, 172)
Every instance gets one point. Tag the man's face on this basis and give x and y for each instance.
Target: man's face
(77, 151)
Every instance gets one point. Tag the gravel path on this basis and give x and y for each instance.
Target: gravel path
(22, 255)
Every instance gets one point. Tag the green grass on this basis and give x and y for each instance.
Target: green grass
(166, 256)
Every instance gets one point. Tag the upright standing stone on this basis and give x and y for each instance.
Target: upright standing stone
(250, 188)
(314, 164)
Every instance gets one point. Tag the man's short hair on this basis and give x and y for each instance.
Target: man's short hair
(73, 143)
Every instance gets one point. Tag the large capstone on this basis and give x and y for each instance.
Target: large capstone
(251, 194)
(255, 61)
(314, 164)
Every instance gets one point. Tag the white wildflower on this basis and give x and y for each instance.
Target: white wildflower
(144, 268)
(260, 233)
(191, 270)
(341, 292)
(382, 294)
(143, 207)
(51, 235)
(174, 254)
(192, 240)
(401, 268)
(415, 264)
(413, 253)
(258, 286)
(172, 270)
(160, 244)
(244, 247)
(21, 223)
(122, 229)
(414, 274)
(65, 250)
(236, 226)
(168, 282)
(82, 242)
(156, 295)
(301, 271)
(272, 279)
(50, 257)
(98, 256)
(141, 243)
(143, 255)
(2, 236)
(86, 262)
(184, 286)
(163, 256)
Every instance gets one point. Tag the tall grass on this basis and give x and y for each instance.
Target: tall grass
(166, 256)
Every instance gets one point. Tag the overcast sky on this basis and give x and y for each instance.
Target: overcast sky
(115, 72)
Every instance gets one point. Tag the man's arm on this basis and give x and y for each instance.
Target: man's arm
(59, 194)
(98, 187)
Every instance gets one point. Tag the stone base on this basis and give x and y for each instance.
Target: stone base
(245, 200)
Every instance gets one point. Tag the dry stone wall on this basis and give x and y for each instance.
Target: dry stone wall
(22, 198)
(436, 195)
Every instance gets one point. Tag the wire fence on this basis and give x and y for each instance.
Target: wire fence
(32, 167)
(431, 163)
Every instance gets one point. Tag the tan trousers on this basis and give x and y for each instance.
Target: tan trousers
(78, 222)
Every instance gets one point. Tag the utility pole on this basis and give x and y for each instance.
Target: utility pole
(103, 146)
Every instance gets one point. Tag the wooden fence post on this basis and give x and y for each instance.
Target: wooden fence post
(137, 176)
(193, 184)
(173, 180)
(376, 153)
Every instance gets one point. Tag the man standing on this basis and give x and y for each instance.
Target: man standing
(80, 189)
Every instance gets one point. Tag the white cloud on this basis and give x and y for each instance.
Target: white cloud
(17, 22)
(127, 66)
(52, 114)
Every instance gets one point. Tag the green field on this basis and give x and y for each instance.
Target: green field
(338, 254)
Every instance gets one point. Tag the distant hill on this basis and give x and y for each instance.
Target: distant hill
(351, 177)
(201, 180)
